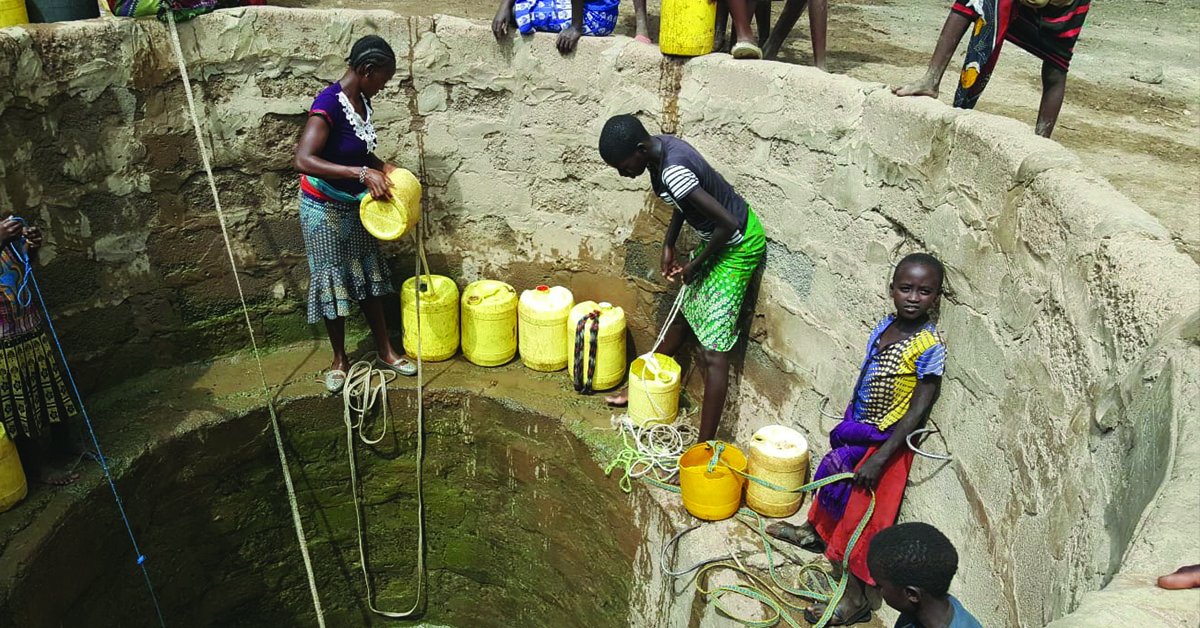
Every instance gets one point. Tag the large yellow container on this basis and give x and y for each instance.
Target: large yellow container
(610, 354)
(489, 322)
(543, 330)
(686, 27)
(390, 219)
(12, 477)
(778, 455)
(716, 494)
(12, 13)
(439, 317)
(654, 389)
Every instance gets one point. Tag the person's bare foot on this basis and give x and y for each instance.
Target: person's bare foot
(643, 31)
(1183, 578)
(924, 87)
(620, 398)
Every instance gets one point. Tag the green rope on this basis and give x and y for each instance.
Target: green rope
(763, 592)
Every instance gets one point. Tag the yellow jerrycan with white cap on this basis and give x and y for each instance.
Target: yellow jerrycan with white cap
(778, 455)
(439, 317)
(13, 486)
(489, 322)
(542, 332)
(608, 350)
(653, 389)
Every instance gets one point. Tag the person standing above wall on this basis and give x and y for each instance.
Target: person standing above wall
(571, 19)
(718, 276)
(1048, 29)
(338, 167)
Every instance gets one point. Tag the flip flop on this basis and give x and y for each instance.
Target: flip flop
(643, 39)
(334, 381)
(861, 615)
(789, 533)
(401, 366)
(746, 50)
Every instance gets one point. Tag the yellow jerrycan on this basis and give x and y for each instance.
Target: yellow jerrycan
(439, 317)
(653, 389)
(543, 328)
(12, 13)
(687, 27)
(12, 477)
(778, 455)
(715, 494)
(609, 352)
(390, 219)
(489, 322)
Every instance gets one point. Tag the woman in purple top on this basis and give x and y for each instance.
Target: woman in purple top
(338, 167)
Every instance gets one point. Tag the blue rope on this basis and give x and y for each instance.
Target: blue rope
(24, 297)
(141, 558)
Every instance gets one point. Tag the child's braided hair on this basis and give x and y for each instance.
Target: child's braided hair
(372, 51)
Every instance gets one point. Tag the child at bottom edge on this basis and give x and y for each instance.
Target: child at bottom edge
(913, 564)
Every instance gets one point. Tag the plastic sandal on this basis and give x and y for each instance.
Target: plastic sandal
(746, 50)
(861, 615)
(401, 366)
(334, 381)
(789, 533)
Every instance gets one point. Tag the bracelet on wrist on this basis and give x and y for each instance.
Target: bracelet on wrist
(362, 175)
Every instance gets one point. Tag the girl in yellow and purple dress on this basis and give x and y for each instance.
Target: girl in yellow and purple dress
(35, 402)
(898, 383)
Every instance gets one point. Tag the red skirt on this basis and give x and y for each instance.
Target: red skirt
(837, 532)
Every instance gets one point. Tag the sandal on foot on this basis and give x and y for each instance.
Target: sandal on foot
(746, 50)
(859, 616)
(401, 366)
(643, 39)
(335, 380)
(799, 536)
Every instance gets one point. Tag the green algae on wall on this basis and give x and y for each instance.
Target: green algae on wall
(523, 527)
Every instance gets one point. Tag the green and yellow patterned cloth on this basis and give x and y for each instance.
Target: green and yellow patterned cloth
(714, 299)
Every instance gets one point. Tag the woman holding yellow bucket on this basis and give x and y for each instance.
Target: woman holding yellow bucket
(717, 276)
(338, 166)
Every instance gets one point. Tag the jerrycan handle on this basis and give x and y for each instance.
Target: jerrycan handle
(650, 363)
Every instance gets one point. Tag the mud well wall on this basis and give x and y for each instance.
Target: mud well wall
(1070, 356)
